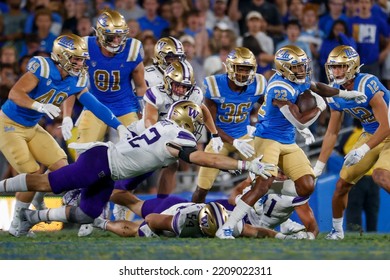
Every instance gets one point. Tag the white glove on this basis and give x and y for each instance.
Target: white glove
(359, 97)
(217, 144)
(123, 132)
(66, 128)
(321, 104)
(301, 235)
(309, 137)
(356, 155)
(318, 168)
(50, 110)
(260, 168)
(250, 130)
(243, 147)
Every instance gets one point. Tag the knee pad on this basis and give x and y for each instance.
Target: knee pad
(76, 215)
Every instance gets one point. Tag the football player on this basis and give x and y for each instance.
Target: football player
(372, 149)
(40, 91)
(230, 98)
(275, 130)
(101, 164)
(166, 51)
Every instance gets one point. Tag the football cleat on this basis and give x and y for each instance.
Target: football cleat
(335, 235)
(25, 224)
(85, 230)
(290, 227)
(224, 233)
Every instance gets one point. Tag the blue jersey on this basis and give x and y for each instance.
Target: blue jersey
(370, 85)
(271, 123)
(233, 108)
(51, 88)
(110, 77)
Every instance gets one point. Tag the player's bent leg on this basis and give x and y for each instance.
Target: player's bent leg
(382, 178)
(304, 185)
(199, 195)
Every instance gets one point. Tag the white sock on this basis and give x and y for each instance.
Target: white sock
(18, 205)
(100, 223)
(38, 199)
(15, 184)
(338, 224)
(238, 213)
(51, 214)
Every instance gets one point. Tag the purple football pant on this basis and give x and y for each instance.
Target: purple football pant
(131, 183)
(91, 174)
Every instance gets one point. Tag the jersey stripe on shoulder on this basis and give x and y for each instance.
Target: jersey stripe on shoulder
(85, 38)
(211, 84)
(82, 80)
(363, 82)
(261, 84)
(288, 87)
(133, 50)
(45, 68)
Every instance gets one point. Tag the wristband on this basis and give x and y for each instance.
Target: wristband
(36, 106)
(242, 165)
(214, 135)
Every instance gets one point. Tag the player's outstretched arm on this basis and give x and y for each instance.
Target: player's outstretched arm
(327, 91)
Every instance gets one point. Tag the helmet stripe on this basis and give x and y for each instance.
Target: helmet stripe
(178, 45)
(217, 213)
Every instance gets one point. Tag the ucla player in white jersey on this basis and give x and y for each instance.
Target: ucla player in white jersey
(231, 98)
(372, 150)
(166, 51)
(275, 130)
(101, 164)
(47, 83)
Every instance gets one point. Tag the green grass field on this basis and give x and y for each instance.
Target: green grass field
(65, 245)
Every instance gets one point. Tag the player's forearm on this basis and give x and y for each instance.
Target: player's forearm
(67, 106)
(380, 134)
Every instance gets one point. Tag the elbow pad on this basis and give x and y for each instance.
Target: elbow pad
(185, 152)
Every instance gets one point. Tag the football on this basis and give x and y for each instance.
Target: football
(306, 101)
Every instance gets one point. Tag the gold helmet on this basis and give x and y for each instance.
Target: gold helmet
(212, 216)
(288, 57)
(187, 115)
(179, 80)
(167, 50)
(111, 31)
(343, 56)
(67, 46)
(241, 57)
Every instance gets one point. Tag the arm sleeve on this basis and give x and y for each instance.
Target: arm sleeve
(287, 114)
(100, 110)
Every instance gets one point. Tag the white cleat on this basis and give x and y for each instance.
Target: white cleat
(119, 212)
(85, 230)
(15, 225)
(25, 224)
(335, 235)
(291, 227)
(224, 233)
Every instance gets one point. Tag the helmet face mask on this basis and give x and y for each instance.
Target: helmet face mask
(111, 31)
(70, 53)
(179, 80)
(212, 216)
(187, 115)
(293, 64)
(241, 66)
(342, 65)
(166, 51)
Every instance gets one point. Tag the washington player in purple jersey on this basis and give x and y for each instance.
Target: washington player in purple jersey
(372, 149)
(101, 164)
(47, 83)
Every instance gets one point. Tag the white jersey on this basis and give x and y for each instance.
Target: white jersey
(153, 76)
(185, 219)
(273, 209)
(159, 98)
(147, 152)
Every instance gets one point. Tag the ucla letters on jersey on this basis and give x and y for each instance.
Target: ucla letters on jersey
(51, 88)
(117, 94)
(233, 109)
(272, 123)
(370, 85)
